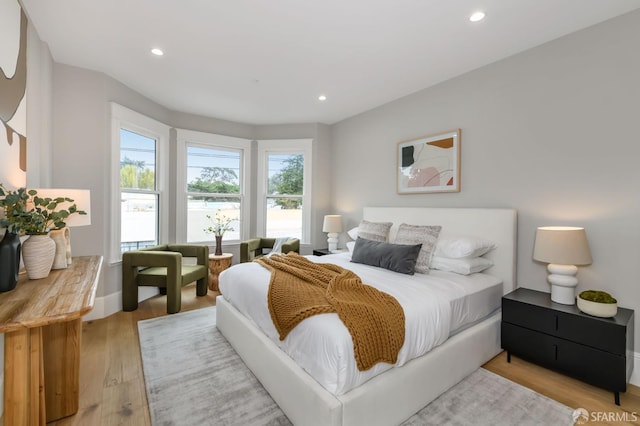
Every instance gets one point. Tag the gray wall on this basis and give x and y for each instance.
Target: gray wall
(551, 132)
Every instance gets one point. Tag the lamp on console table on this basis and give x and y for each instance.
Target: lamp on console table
(562, 247)
(82, 199)
(333, 226)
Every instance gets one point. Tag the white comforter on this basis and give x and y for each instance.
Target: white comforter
(322, 345)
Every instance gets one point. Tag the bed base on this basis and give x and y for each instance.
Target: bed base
(387, 399)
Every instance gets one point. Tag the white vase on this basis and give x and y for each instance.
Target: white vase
(38, 252)
(63, 248)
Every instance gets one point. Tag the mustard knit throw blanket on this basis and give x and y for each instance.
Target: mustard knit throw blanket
(300, 288)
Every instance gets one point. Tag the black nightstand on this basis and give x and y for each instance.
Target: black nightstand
(595, 350)
(321, 252)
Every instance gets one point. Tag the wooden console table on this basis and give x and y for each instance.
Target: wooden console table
(42, 322)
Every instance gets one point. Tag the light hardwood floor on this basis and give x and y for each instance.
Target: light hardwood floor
(112, 388)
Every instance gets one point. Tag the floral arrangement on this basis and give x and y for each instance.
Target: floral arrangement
(221, 224)
(25, 211)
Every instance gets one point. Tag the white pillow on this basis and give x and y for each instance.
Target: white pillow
(463, 247)
(351, 245)
(419, 234)
(461, 266)
(353, 233)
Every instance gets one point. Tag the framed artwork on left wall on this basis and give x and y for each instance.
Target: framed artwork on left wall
(429, 164)
(13, 101)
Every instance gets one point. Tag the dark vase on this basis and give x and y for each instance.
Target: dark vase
(9, 261)
(218, 251)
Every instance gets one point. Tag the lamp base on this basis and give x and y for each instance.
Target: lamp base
(563, 283)
(332, 241)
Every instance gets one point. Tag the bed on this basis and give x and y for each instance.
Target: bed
(396, 393)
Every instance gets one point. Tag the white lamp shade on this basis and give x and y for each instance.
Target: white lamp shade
(332, 223)
(562, 245)
(81, 198)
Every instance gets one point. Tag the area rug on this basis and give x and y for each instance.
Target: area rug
(194, 377)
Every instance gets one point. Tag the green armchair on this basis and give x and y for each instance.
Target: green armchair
(253, 249)
(161, 266)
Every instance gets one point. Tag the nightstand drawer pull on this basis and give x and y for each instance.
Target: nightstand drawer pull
(555, 349)
(556, 322)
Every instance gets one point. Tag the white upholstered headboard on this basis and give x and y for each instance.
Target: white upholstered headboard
(498, 225)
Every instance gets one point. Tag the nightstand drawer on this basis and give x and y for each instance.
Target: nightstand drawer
(532, 317)
(591, 365)
(598, 333)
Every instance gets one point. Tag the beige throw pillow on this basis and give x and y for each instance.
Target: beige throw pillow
(425, 235)
(375, 231)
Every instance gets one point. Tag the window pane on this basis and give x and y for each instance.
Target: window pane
(285, 174)
(284, 221)
(213, 170)
(139, 221)
(199, 207)
(137, 161)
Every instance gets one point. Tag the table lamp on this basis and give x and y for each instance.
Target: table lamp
(82, 199)
(562, 247)
(333, 226)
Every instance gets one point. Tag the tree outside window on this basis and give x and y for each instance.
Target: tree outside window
(138, 191)
(285, 195)
(213, 185)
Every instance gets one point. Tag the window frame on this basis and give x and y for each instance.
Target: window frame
(187, 138)
(290, 147)
(127, 119)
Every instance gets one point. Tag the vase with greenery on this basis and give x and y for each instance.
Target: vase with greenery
(597, 303)
(26, 212)
(221, 224)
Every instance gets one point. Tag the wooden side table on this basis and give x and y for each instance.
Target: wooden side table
(218, 264)
(42, 322)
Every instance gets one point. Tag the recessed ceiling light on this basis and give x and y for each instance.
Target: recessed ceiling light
(157, 52)
(322, 98)
(477, 16)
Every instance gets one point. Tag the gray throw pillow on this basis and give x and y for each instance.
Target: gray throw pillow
(426, 235)
(394, 257)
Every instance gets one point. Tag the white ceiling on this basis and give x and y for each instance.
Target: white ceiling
(266, 61)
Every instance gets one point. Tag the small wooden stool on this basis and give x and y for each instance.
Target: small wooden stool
(218, 264)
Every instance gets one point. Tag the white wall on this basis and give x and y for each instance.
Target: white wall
(552, 132)
(81, 154)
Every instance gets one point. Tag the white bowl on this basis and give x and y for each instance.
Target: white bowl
(602, 310)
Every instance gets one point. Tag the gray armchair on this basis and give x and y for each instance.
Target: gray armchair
(254, 248)
(161, 266)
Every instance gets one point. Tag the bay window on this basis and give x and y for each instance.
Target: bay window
(139, 171)
(284, 188)
(212, 177)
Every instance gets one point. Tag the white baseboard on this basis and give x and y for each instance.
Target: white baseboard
(635, 375)
(112, 303)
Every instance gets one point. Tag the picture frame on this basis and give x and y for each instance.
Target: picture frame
(429, 164)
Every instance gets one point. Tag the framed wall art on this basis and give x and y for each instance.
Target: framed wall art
(429, 164)
(13, 102)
